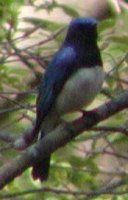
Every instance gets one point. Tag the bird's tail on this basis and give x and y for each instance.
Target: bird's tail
(41, 169)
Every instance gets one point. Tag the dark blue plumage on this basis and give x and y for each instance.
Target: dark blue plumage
(78, 52)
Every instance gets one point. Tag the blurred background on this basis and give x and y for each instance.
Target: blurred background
(31, 31)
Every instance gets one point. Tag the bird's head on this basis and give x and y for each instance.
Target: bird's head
(82, 30)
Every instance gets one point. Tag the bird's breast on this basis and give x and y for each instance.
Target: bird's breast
(80, 89)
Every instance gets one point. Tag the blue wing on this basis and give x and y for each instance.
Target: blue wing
(58, 70)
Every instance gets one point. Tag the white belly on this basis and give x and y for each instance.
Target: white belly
(80, 89)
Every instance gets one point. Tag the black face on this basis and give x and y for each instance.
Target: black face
(82, 36)
(82, 29)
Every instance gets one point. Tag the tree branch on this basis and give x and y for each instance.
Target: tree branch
(89, 194)
(59, 137)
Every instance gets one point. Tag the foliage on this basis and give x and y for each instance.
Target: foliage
(95, 160)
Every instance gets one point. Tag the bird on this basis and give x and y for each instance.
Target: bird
(71, 81)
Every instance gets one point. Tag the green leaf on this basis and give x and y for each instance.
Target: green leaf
(45, 24)
(69, 10)
(120, 39)
(106, 24)
(49, 6)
